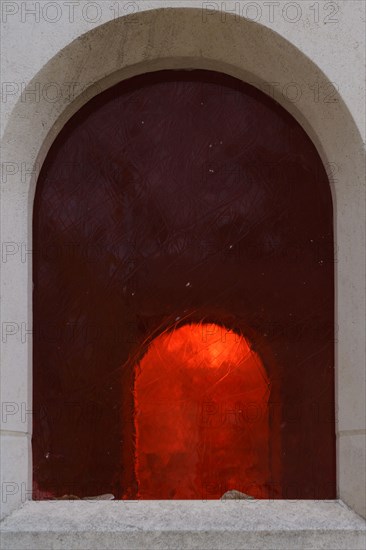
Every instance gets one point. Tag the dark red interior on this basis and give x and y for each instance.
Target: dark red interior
(179, 199)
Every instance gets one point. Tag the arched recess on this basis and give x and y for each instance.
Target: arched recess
(260, 56)
(180, 196)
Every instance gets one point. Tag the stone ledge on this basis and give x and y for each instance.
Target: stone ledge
(156, 525)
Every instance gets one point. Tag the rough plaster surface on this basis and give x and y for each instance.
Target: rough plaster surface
(332, 36)
(306, 53)
(184, 524)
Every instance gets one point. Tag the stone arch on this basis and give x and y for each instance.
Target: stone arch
(178, 38)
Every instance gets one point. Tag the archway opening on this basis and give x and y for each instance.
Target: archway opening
(150, 210)
(201, 416)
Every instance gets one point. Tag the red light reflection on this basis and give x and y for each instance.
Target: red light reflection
(201, 416)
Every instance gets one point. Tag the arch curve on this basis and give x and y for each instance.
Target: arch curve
(190, 45)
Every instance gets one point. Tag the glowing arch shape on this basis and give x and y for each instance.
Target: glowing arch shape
(201, 416)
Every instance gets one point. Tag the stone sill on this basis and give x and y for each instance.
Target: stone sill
(155, 525)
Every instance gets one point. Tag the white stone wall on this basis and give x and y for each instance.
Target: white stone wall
(329, 33)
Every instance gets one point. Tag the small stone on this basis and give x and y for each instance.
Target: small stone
(231, 495)
(107, 496)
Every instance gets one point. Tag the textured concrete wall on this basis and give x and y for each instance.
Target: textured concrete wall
(330, 33)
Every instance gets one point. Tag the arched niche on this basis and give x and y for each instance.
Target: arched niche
(100, 59)
(178, 197)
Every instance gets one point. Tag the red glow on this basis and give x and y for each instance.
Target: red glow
(201, 416)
